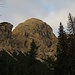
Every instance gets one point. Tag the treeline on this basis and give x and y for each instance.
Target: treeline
(66, 49)
(18, 63)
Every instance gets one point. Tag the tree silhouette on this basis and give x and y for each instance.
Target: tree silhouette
(34, 48)
(71, 24)
(61, 52)
(61, 47)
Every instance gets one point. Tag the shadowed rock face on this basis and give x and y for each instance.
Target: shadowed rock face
(22, 36)
(42, 34)
(5, 35)
(5, 30)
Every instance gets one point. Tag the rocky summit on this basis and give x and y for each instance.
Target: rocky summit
(5, 36)
(23, 35)
(40, 32)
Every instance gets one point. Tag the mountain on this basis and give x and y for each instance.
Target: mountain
(22, 36)
(40, 32)
(5, 36)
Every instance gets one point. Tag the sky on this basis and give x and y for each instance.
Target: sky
(50, 11)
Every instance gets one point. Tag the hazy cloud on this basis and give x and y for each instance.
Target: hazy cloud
(50, 11)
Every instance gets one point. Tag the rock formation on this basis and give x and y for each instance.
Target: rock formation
(40, 32)
(5, 35)
(21, 37)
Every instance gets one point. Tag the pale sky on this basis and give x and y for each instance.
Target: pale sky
(51, 11)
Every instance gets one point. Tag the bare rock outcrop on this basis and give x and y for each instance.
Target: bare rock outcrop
(21, 37)
(40, 32)
(5, 35)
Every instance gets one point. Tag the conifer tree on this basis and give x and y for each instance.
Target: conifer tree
(71, 24)
(61, 52)
(61, 40)
(71, 35)
(34, 48)
(71, 43)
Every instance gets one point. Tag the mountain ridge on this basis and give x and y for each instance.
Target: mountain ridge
(33, 29)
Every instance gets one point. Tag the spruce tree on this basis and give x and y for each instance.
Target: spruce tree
(71, 35)
(34, 48)
(71, 44)
(61, 48)
(71, 24)
(61, 52)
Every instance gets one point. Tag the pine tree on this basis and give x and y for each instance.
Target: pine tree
(71, 24)
(34, 48)
(71, 35)
(71, 44)
(61, 40)
(61, 52)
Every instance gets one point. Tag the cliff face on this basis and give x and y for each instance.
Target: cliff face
(40, 32)
(22, 36)
(5, 35)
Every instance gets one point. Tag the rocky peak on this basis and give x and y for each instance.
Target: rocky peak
(42, 34)
(23, 35)
(5, 34)
(5, 30)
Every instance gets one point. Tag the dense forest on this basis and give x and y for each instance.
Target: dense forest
(18, 63)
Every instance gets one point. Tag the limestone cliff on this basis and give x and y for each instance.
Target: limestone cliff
(5, 35)
(21, 37)
(42, 34)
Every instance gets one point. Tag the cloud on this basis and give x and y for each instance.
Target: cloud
(51, 11)
(54, 18)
